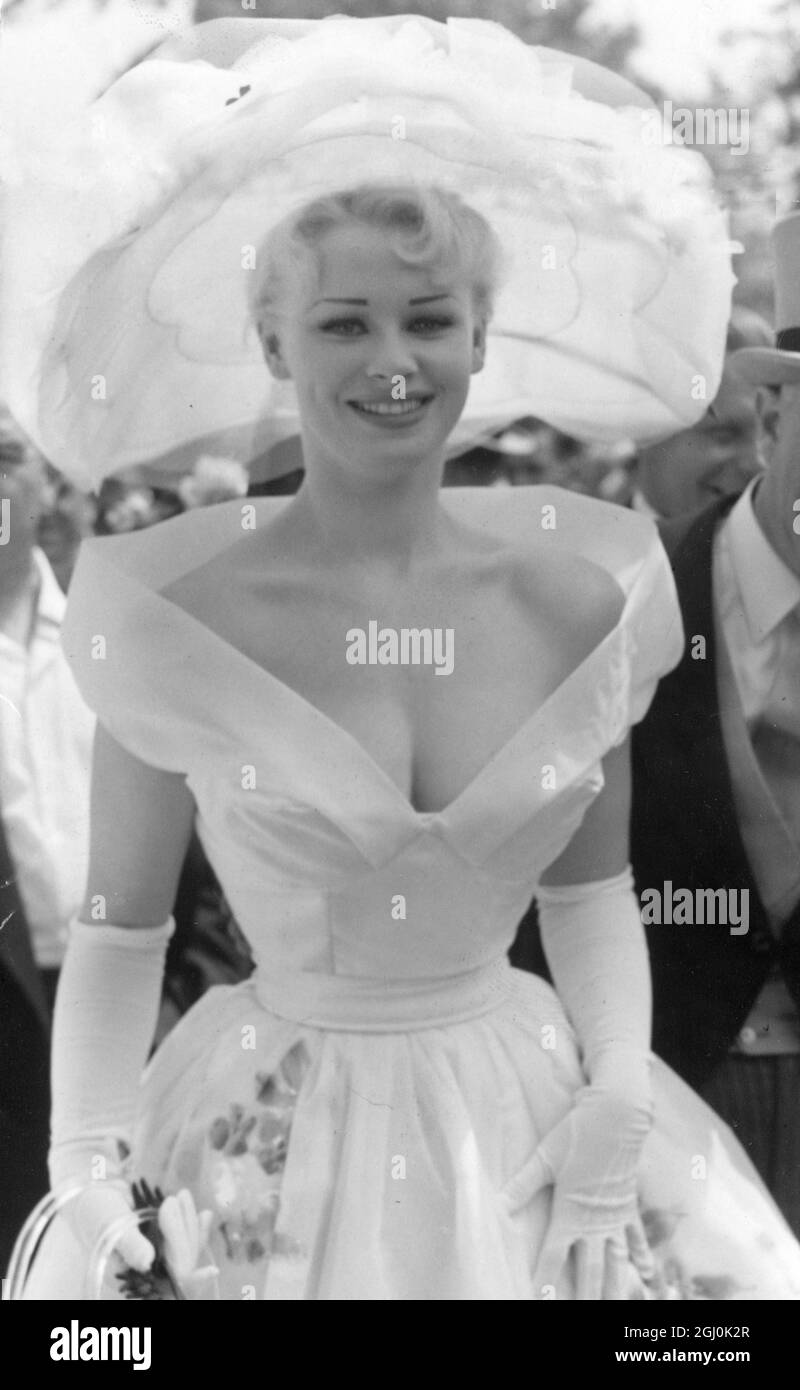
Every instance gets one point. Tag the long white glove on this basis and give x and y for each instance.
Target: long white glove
(103, 1027)
(597, 953)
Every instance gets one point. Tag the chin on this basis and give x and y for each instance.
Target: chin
(422, 439)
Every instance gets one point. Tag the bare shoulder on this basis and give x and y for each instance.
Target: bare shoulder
(227, 577)
(578, 602)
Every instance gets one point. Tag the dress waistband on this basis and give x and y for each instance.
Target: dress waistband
(366, 1004)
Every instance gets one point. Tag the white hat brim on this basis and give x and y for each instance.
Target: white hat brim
(125, 333)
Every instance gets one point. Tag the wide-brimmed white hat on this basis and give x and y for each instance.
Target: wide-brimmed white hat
(125, 336)
(779, 365)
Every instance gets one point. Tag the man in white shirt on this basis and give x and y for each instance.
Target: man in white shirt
(46, 730)
(45, 750)
(716, 801)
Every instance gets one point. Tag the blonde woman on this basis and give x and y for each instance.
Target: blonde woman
(386, 1110)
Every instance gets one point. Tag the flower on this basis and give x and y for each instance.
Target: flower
(242, 1189)
(660, 1224)
(213, 480)
(131, 512)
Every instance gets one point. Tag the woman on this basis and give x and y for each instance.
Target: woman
(386, 1110)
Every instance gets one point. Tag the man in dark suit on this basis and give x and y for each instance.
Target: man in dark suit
(717, 779)
(716, 784)
(24, 1064)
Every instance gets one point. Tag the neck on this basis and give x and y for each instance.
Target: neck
(774, 512)
(391, 521)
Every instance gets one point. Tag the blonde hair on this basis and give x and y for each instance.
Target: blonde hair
(427, 226)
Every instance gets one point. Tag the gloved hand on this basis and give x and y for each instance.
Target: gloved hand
(105, 1208)
(103, 1026)
(591, 1157)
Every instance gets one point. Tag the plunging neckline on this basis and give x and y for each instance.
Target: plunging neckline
(316, 716)
(313, 766)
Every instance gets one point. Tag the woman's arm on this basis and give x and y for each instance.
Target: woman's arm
(599, 847)
(141, 824)
(110, 986)
(595, 947)
(594, 941)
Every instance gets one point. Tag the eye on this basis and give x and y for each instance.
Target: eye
(431, 323)
(344, 327)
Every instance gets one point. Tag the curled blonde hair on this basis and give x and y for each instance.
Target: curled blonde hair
(428, 227)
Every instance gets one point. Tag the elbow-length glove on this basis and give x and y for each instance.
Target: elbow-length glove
(597, 953)
(103, 1027)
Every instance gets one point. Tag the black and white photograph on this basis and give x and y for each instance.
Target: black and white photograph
(400, 660)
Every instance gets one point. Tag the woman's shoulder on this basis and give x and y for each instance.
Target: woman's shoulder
(588, 569)
(173, 551)
(577, 594)
(546, 540)
(574, 523)
(572, 601)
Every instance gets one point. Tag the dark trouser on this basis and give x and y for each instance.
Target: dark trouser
(23, 1175)
(49, 980)
(24, 1120)
(759, 1097)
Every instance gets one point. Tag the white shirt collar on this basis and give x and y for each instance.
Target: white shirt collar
(46, 618)
(52, 599)
(639, 503)
(777, 590)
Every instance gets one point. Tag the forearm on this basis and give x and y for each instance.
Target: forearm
(597, 953)
(104, 1023)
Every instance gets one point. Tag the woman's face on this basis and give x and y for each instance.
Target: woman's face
(380, 352)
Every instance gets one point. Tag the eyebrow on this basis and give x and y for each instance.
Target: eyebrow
(424, 299)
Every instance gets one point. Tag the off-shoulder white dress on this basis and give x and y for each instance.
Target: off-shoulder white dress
(352, 1110)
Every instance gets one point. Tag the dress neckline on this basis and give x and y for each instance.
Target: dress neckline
(314, 716)
(120, 581)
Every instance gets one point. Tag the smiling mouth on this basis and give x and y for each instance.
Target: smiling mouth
(391, 410)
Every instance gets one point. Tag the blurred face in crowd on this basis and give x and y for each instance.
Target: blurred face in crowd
(715, 458)
(24, 484)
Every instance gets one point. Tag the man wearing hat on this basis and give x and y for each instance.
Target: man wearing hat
(714, 458)
(717, 777)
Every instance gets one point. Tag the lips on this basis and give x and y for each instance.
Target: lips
(391, 411)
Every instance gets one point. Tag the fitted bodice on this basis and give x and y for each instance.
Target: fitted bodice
(327, 866)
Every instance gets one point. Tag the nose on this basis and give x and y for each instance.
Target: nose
(391, 356)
